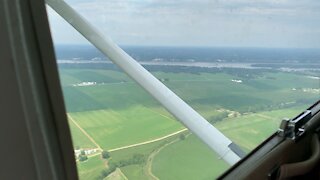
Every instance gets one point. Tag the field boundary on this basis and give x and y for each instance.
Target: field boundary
(122, 174)
(148, 142)
(117, 174)
(265, 116)
(151, 157)
(156, 112)
(156, 152)
(84, 132)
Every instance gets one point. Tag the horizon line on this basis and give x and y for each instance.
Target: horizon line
(186, 46)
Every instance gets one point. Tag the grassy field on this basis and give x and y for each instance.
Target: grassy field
(197, 89)
(138, 171)
(250, 130)
(116, 112)
(188, 159)
(78, 138)
(201, 163)
(134, 172)
(191, 159)
(91, 168)
(113, 129)
(117, 175)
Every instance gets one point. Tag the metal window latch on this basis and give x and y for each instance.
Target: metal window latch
(294, 128)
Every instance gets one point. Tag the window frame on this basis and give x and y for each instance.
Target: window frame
(36, 130)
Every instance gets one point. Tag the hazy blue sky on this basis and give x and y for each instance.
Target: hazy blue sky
(262, 23)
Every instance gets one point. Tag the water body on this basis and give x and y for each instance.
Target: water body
(209, 57)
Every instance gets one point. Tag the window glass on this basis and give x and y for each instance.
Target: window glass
(243, 65)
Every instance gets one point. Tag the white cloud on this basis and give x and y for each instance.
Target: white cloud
(203, 22)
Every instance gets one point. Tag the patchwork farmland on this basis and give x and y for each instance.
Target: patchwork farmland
(113, 112)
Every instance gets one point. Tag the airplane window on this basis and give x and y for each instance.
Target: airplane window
(243, 65)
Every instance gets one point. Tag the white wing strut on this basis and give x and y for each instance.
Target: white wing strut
(182, 111)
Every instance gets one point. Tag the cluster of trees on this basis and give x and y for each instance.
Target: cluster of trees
(287, 65)
(135, 159)
(256, 108)
(104, 173)
(268, 107)
(217, 118)
(239, 72)
(182, 137)
(274, 106)
(82, 156)
(105, 154)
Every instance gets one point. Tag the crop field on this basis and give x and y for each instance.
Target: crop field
(116, 175)
(250, 130)
(201, 162)
(91, 168)
(112, 129)
(247, 131)
(78, 138)
(114, 112)
(188, 159)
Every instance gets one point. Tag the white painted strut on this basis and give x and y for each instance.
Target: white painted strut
(182, 111)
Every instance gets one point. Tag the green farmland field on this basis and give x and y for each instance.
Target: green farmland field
(91, 168)
(78, 138)
(112, 129)
(250, 130)
(188, 159)
(115, 112)
(191, 159)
